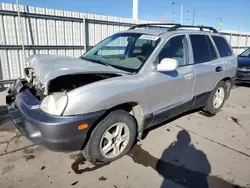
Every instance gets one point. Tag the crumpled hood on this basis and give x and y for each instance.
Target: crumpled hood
(49, 67)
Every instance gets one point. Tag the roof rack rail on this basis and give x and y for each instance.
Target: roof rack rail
(174, 27)
(153, 25)
(201, 27)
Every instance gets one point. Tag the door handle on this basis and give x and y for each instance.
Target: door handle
(218, 69)
(188, 76)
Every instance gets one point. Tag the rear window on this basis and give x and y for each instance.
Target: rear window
(203, 49)
(222, 46)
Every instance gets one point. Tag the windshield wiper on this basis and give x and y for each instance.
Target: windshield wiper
(96, 61)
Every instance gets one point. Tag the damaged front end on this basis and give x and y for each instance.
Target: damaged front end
(50, 130)
(63, 83)
(50, 78)
(54, 98)
(37, 103)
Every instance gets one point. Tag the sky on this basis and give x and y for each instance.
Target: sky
(207, 12)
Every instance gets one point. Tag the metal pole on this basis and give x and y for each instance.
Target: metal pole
(193, 17)
(239, 35)
(181, 14)
(84, 34)
(22, 37)
(135, 10)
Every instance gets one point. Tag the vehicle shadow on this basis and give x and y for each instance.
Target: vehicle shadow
(242, 85)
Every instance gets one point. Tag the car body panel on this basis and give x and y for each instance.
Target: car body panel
(206, 76)
(243, 72)
(243, 61)
(105, 94)
(161, 95)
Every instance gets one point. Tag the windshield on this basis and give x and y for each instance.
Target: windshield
(246, 53)
(125, 51)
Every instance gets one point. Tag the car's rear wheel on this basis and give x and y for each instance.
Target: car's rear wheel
(216, 99)
(112, 138)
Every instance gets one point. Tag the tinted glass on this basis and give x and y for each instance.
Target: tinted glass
(222, 46)
(202, 48)
(175, 48)
(141, 42)
(246, 53)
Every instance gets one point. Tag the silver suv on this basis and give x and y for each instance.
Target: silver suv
(131, 81)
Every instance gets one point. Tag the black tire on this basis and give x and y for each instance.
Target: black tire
(92, 150)
(209, 108)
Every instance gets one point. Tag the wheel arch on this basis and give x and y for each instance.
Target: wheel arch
(229, 83)
(133, 108)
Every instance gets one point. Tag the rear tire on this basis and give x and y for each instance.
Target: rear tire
(216, 98)
(112, 138)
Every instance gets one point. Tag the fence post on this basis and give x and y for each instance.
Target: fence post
(230, 40)
(237, 45)
(20, 28)
(84, 34)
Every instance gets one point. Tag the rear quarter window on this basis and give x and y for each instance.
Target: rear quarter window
(222, 46)
(203, 49)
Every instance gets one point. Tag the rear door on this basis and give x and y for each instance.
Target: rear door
(226, 55)
(209, 69)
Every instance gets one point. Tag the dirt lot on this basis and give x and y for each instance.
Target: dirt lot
(192, 151)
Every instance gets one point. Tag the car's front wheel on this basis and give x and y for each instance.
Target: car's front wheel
(112, 138)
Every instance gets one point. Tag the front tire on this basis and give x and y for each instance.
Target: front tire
(112, 138)
(216, 98)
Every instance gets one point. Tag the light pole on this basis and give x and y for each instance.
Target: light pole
(135, 10)
(181, 14)
(193, 17)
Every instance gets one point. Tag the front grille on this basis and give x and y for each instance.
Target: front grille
(243, 75)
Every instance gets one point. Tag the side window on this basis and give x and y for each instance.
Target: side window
(222, 46)
(203, 49)
(175, 48)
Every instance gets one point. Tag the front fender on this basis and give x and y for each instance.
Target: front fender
(106, 96)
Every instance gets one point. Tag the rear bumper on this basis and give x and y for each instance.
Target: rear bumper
(57, 133)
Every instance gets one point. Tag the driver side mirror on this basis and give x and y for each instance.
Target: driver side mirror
(167, 64)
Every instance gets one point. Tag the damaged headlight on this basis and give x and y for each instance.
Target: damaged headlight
(54, 104)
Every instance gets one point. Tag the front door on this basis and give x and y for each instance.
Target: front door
(172, 92)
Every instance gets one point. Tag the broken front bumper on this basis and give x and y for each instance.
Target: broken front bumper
(58, 133)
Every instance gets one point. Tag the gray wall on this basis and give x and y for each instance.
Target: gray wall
(48, 31)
